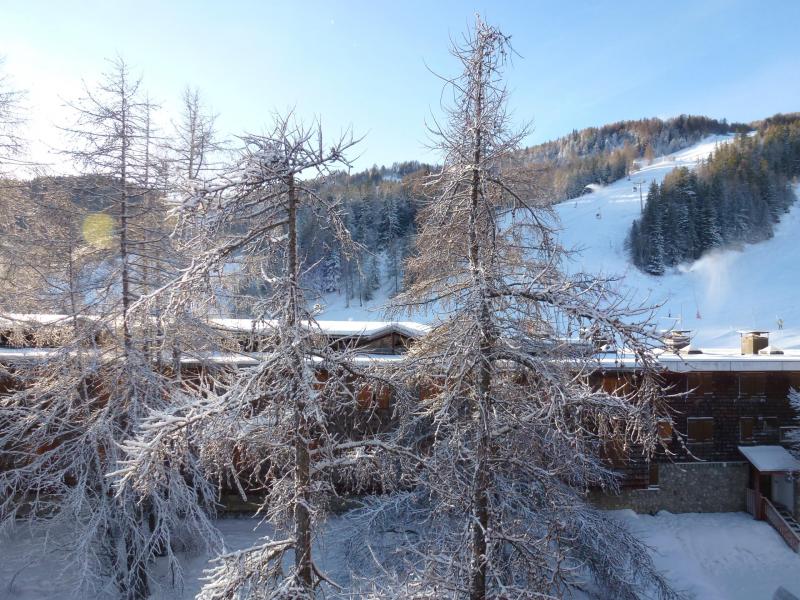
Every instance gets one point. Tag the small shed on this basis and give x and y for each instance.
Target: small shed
(772, 475)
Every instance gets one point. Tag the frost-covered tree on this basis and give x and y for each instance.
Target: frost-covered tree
(281, 425)
(74, 406)
(195, 143)
(508, 433)
(11, 142)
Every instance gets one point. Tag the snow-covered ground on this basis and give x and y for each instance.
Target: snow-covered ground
(723, 556)
(715, 297)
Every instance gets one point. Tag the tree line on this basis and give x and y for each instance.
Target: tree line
(737, 196)
(605, 154)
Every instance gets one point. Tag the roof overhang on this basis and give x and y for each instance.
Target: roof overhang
(770, 459)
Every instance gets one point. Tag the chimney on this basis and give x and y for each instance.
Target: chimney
(676, 339)
(754, 341)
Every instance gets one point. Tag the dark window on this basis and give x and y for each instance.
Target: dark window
(768, 426)
(384, 397)
(617, 384)
(665, 431)
(752, 385)
(790, 434)
(700, 384)
(615, 453)
(746, 429)
(701, 430)
(364, 398)
(653, 474)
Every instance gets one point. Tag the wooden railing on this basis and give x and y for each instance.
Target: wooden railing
(779, 523)
(755, 503)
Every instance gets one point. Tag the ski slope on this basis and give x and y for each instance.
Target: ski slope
(714, 297)
(752, 287)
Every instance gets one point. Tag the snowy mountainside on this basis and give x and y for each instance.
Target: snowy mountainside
(716, 296)
(728, 290)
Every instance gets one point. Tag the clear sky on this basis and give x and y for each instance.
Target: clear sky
(363, 63)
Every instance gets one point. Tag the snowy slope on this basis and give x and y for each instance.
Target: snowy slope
(723, 292)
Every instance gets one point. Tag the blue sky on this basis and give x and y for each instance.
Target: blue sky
(365, 64)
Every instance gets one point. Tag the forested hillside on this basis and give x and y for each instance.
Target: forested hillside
(737, 196)
(380, 208)
(381, 203)
(604, 154)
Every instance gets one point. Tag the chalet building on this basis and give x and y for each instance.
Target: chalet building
(734, 424)
(726, 450)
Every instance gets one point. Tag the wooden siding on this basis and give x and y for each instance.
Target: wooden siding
(724, 397)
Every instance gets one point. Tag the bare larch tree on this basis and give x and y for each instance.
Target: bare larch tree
(509, 433)
(11, 118)
(75, 405)
(273, 423)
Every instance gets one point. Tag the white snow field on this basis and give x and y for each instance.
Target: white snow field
(715, 297)
(721, 556)
(718, 556)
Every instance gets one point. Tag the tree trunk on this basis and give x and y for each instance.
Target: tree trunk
(481, 409)
(302, 472)
(123, 230)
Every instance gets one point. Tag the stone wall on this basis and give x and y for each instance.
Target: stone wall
(685, 487)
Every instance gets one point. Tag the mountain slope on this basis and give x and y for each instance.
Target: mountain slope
(719, 294)
(715, 296)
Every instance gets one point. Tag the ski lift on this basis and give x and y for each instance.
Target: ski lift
(598, 215)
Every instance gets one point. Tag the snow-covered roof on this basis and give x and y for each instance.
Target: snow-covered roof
(710, 359)
(770, 459)
(362, 329)
(12, 355)
(730, 359)
(248, 359)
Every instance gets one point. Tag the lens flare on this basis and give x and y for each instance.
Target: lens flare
(98, 230)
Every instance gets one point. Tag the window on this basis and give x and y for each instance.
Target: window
(364, 398)
(746, 429)
(617, 384)
(700, 383)
(790, 434)
(767, 426)
(384, 397)
(752, 385)
(701, 430)
(665, 431)
(653, 481)
(616, 453)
